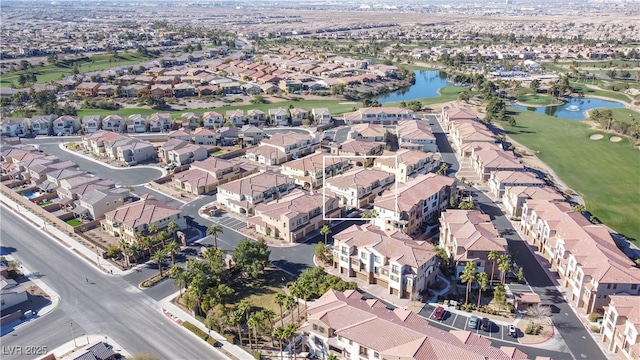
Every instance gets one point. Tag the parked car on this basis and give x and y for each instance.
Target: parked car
(439, 313)
(513, 331)
(473, 322)
(485, 324)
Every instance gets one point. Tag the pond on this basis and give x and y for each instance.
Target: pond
(428, 82)
(573, 109)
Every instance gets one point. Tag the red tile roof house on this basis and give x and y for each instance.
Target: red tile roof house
(160, 122)
(187, 154)
(368, 132)
(453, 114)
(308, 171)
(204, 136)
(283, 147)
(407, 163)
(95, 142)
(469, 131)
(499, 180)
(621, 325)
(137, 217)
(241, 196)
(515, 196)
(378, 115)
(236, 117)
(585, 255)
(486, 161)
(359, 187)
(353, 328)
(136, 152)
(203, 177)
(469, 235)
(392, 260)
(294, 216)
(416, 135)
(212, 119)
(418, 201)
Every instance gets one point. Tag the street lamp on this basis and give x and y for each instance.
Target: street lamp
(73, 336)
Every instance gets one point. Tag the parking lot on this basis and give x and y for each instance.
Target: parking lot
(229, 221)
(460, 321)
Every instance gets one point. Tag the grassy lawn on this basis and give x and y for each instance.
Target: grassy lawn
(604, 93)
(74, 222)
(625, 115)
(536, 99)
(49, 73)
(606, 174)
(261, 292)
(48, 202)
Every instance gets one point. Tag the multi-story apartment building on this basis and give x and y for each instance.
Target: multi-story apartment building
(378, 115)
(418, 201)
(450, 115)
(308, 171)
(283, 147)
(486, 161)
(137, 217)
(585, 255)
(515, 196)
(394, 261)
(499, 180)
(368, 132)
(621, 325)
(242, 195)
(358, 187)
(416, 135)
(294, 216)
(469, 235)
(350, 327)
(407, 164)
(204, 176)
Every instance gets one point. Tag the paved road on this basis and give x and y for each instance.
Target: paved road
(124, 176)
(573, 332)
(108, 305)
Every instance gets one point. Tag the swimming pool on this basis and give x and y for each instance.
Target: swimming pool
(32, 195)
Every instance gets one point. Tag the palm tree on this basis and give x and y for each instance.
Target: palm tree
(504, 264)
(280, 299)
(266, 319)
(296, 291)
(158, 258)
(135, 248)
(253, 323)
(290, 303)
(172, 227)
(291, 330)
(326, 230)
(173, 248)
(148, 243)
(493, 256)
(153, 230)
(483, 282)
(235, 319)
(280, 334)
(213, 230)
(178, 273)
(468, 276)
(125, 248)
(162, 236)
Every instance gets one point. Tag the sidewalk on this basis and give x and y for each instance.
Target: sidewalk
(175, 313)
(78, 248)
(33, 277)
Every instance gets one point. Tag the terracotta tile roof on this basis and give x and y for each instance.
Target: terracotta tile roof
(369, 326)
(289, 138)
(461, 113)
(413, 192)
(357, 147)
(369, 130)
(314, 163)
(473, 231)
(256, 183)
(213, 164)
(627, 306)
(534, 192)
(295, 203)
(414, 129)
(498, 159)
(268, 152)
(147, 210)
(516, 177)
(358, 178)
(196, 177)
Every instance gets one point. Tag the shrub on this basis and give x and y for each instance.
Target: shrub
(257, 355)
(594, 316)
(201, 334)
(594, 329)
(113, 251)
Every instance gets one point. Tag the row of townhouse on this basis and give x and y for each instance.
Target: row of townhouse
(241, 196)
(621, 326)
(138, 217)
(204, 177)
(278, 116)
(40, 125)
(310, 171)
(406, 164)
(280, 148)
(411, 134)
(358, 187)
(126, 149)
(378, 115)
(585, 256)
(469, 236)
(295, 215)
(346, 325)
(86, 195)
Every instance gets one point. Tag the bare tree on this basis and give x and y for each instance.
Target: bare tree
(538, 312)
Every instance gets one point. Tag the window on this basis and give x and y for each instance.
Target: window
(634, 286)
(315, 327)
(321, 329)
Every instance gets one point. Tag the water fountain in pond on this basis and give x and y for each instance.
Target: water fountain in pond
(573, 108)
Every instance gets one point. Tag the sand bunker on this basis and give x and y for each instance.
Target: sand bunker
(615, 139)
(596, 136)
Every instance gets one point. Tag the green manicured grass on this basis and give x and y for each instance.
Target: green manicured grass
(625, 115)
(48, 73)
(604, 93)
(536, 99)
(125, 112)
(74, 222)
(45, 203)
(606, 174)
(261, 292)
